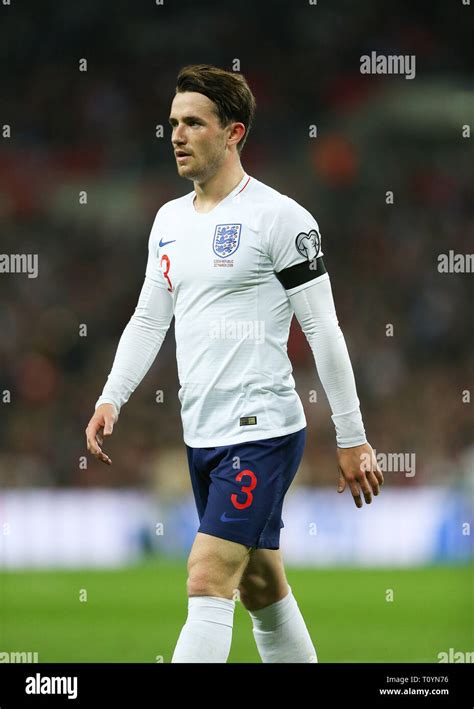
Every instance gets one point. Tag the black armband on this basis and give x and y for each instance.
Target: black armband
(301, 273)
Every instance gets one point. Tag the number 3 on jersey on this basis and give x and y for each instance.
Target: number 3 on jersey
(165, 259)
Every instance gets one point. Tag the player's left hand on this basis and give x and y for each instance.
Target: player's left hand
(358, 468)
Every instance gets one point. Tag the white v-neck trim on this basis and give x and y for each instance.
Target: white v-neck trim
(231, 194)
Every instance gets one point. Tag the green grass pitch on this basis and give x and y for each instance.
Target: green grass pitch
(136, 614)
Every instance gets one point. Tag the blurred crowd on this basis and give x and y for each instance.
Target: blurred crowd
(408, 327)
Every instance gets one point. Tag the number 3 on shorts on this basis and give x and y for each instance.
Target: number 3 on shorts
(247, 489)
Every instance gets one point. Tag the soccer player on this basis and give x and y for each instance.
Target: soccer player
(233, 260)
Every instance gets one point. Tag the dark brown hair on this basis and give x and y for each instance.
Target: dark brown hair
(228, 90)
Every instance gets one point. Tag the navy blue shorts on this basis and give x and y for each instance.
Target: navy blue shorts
(239, 488)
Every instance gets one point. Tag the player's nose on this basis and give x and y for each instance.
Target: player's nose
(178, 136)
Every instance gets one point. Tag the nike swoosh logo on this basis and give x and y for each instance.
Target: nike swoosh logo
(163, 243)
(224, 518)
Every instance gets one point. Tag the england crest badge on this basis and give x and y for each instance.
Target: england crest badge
(226, 239)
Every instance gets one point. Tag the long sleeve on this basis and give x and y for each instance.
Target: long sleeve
(139, 344)
(314, 308)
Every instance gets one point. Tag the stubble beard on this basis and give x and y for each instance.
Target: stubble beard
(206, 171)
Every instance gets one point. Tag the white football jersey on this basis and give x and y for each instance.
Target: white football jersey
(232, 311)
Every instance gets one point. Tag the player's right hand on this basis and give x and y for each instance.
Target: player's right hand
(101, 424)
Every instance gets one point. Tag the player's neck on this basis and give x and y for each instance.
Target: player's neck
(214, 190)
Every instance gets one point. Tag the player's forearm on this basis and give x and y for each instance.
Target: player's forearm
(138, 346)
(314, 308)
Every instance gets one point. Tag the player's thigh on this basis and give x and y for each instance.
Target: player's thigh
(264, 579)
(215, 561)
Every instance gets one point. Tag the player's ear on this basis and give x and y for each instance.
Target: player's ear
(236, 132)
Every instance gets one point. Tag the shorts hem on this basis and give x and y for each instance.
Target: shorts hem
(238, 538)
(267, 545)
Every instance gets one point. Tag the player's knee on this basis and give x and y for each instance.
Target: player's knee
(208, 580)
(201, 584)
(258, 590)
(255, 592)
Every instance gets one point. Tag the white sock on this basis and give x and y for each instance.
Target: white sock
(207, 634)
(281, 633)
